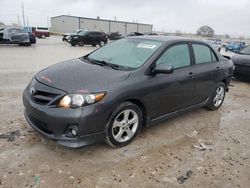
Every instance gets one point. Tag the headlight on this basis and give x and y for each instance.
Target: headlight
(78, 100)
(75, 37)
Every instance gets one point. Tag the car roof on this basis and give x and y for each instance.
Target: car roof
(165, 39)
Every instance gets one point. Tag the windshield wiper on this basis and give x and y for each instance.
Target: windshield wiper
(104, 63)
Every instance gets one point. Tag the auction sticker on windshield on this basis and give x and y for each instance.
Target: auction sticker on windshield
(150, 46)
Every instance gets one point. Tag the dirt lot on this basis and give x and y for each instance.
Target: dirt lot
(161, 156)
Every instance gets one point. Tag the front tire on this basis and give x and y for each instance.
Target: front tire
(25, 44)
(217, 97)
(123, 125)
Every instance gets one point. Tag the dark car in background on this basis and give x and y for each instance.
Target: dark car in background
(66, 36)
(134, 34)
(150, 33)
(235, 46)
(129, 84)
(114, 36)
(88, 37)
(16, 36)
(117, 36)
(242, 62)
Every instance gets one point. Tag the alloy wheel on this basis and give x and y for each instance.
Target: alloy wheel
(125, 125)
(219, 96)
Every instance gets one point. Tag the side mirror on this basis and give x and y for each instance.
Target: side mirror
(163, 69)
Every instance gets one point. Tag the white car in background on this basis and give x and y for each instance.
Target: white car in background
(214, 42)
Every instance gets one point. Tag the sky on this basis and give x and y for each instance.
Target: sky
(224, 16)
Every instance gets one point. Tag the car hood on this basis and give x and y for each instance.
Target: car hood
(77, 76)
(241, 59)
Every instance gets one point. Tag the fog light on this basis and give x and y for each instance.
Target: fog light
(72, 131)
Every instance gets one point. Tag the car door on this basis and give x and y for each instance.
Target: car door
(90, 37)
(207, 70)
(82, 36)
(98, 37)
(173, 92)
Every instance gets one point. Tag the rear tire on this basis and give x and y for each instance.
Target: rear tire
(102, 43)
(217, 97)
(123, 125)
(43, 36)
(81, 43)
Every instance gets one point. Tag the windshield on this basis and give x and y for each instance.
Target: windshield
(127, 52)
(80, 32)
(245, 50)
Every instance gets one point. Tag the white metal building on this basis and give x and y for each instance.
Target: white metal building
(64, 24)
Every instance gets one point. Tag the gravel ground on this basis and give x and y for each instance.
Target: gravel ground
(161, 156)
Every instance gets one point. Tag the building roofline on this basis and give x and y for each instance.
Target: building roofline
(101, 20)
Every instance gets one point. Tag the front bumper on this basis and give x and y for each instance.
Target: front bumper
(53, 122)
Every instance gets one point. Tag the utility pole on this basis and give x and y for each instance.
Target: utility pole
(18, 20)
(23, 16)
(48, 22)
(27, 21)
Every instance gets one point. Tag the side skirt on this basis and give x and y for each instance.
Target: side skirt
(176, 113)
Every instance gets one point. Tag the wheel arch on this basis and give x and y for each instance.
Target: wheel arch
(225, 81)
(141, 105)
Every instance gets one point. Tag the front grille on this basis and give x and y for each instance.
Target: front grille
(41, 125)
(43, 97)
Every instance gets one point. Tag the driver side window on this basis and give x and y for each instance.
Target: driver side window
(177, 55)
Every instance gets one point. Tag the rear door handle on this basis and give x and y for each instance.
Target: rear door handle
(191, 75)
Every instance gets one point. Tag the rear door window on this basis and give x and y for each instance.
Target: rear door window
(177, 55)
(203, 54)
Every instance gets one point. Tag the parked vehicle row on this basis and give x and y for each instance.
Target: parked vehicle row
(129, 84)
(214, 43)
(110, 36)
(16, 36)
